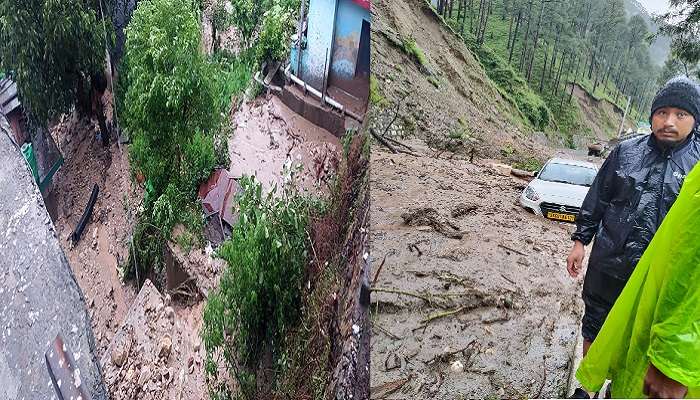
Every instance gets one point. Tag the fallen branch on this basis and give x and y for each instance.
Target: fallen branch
(509, 280)
(513, 250)
(427, 299)
(381, 391)
(396, 142)
(385, 331)
(376, 275)
(443, 315)
(383, 141)
(544, 377)
(445, 356)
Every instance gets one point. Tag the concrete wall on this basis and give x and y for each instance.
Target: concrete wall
(347, 39)
(321, 15)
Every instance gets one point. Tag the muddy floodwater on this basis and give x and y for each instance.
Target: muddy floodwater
(268, 136)
(472, 298)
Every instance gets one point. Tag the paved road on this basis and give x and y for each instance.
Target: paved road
(39, 297)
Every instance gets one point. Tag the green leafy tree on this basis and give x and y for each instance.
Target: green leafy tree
(682, 23)
(258, 301)
(247, 15)
(170, 105)
(278, 23)
(55, 50)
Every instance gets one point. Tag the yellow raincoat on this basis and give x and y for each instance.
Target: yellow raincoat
(657, 317)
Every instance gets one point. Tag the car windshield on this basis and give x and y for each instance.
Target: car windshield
(566, 173)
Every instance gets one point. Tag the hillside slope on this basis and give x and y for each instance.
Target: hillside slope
(661, 48)
(600, 118)
(448, 94)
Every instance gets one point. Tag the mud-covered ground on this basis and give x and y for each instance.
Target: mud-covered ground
(269, 137)
(95, 261)
(103, 246)
(448, 235)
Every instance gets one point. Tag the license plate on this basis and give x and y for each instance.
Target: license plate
(561, 216)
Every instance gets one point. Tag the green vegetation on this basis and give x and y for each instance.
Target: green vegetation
(258, 299)
(55, 52)
(173, 99)
(375, 95)
(514, 88)
(529, 164)
(411, 48)
(532, 49)
(682, 22)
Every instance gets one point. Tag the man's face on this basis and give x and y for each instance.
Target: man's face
(672, 125)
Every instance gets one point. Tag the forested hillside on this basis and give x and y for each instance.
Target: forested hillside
(534, 49)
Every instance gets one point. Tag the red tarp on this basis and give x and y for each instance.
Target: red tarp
(363, 3)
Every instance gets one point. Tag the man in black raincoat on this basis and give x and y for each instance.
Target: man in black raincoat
(629, 198)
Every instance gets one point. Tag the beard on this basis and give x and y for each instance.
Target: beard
(667, 142)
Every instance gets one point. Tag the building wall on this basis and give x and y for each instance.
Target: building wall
(348, 28)
(321, 15)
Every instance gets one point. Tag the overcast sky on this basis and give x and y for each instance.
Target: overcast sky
(655, 6)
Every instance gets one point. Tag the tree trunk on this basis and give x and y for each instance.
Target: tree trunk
(510, 31)
(561, 66)
(544, 69)
(527, 34)
(554, 54)
(515, 36)
(534, 45)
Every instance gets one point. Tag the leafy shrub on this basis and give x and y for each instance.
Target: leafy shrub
(198, 160)
(375, 94)
(273, 42)
(171, 93)
(171, 107)
(260, 292)
(233, 75)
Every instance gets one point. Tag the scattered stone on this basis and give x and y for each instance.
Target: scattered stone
(145, 375)
(169, 312)
(457, 366)
(165, 347)
(392, 362)
(120, 352)
(501, 169)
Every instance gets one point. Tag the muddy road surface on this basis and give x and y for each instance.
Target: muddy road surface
(472, 298)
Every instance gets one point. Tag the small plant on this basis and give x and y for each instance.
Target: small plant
(272, 44)
(529, 164)
(432, 79)
(411, 48)
(507, 150)
(375, 94)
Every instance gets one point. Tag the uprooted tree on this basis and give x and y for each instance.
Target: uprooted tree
(55, 51)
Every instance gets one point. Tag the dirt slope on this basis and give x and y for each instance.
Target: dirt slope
(449, 231)
(463, 90)
(600, 116)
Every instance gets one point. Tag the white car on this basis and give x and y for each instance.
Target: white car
(558, 190)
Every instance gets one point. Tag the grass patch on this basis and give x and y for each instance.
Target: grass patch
(375, 95)
(411, 48)
(529, 164)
